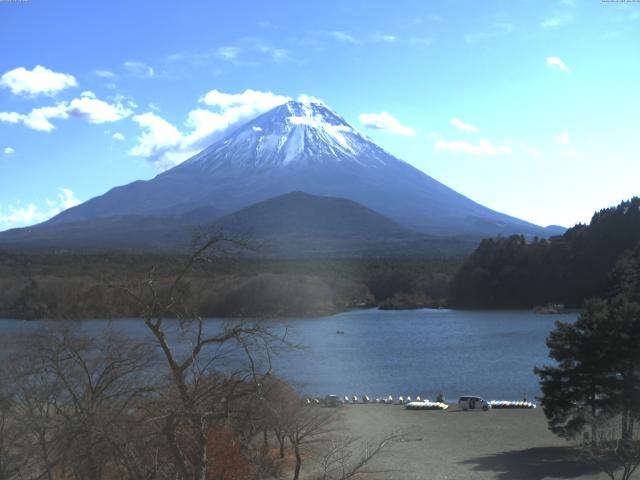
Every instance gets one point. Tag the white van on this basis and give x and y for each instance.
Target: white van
(469, 402)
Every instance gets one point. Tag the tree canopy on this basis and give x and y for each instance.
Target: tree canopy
(513, 272)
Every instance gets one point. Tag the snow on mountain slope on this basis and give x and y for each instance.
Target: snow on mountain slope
(306, 147)
(308, 133)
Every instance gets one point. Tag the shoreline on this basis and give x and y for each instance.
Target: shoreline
(301, 315)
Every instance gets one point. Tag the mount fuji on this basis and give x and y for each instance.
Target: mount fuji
(295, 147)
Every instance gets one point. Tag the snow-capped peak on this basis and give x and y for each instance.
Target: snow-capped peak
(303, 132)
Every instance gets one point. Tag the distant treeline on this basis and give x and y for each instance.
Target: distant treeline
(515, 273)
(88, 286)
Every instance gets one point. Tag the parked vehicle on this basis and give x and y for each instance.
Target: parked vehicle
(473, 403)
(332, 401)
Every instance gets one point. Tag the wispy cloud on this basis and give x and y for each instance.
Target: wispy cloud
(39, 81)
(228, 53)
(278, 55)
(267, 24)
(558, 64)
(483, 148)
(9, 151)
(105, 74)
(496, 29)
(562, 138)
(529, 150)
(385, 122)
(556, 21)
(380, 37)
(463, 127)
(343, 37)
(248, 52)
(138, 69)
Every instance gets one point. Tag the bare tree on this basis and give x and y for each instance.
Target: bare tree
(11, 436)
(307, 425)
(280, 402)
(214, 369)
(616, 448)
(77, 400)
(348, 458)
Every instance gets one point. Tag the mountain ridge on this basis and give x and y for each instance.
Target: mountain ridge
(300, 147)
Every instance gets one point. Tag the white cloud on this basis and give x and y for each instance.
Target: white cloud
(9, 151)
(529, 150)
(385, 122)
(17, 216)
(277, 54)
(379, 37)
(562, 138)
(66, 199)
(555, 62)
(165, 145)
(38, 81)
(97, 111)
(139, 69)
(10, 117)
(463, 127)
(484, 148)
(250, 102)
(497, 29)
(38, 118)
(343, 37)
(158, 139)
(228, 53)
(555, 21)
(118, 136)
(86, 107)
(105, 74)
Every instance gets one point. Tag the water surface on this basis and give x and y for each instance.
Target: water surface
(412, 352)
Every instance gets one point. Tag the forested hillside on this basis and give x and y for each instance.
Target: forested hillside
(512, 272)
(82, 286)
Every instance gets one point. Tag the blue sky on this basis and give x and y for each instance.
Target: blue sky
(528, 107)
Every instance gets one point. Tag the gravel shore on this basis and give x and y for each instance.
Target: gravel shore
(456, 444)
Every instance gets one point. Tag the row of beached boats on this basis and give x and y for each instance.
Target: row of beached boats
(355, 399)
(409, 403)
(401, 400)
(426, 405)
(510, 404)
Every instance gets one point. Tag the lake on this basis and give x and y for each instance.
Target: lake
(411, 352)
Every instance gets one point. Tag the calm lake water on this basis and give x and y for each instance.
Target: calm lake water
(412, 352)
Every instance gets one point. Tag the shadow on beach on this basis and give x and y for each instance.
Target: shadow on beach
(533, 464)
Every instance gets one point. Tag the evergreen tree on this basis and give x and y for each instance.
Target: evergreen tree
(596, 381)
(577, 390)
(512, 272)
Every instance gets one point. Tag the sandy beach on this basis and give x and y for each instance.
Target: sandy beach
(456, 444)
